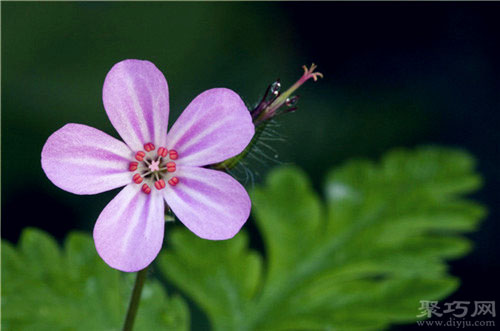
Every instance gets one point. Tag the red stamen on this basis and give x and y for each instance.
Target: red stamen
(173, 154)
(149, 147)
(137, 179)
(171, 166)
(139, 156)
(173, 181)
(159, 184)
(133, 166)
(162, 151)
(146, 189)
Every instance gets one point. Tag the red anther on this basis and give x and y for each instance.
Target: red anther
(162, 151)
(173, 154)
(171, 166)
(133, 166)
(159, 184)
(139, 156)
(146, 189)
(173, 181)
(149, 147)
(137, 179)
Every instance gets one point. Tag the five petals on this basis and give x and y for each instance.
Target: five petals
(215, 126)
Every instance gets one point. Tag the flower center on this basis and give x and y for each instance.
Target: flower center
(154, 167)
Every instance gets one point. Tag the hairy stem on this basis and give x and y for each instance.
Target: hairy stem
(232, 162)
(134, 300)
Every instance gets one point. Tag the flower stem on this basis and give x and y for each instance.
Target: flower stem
(232, 162)
(134, 300)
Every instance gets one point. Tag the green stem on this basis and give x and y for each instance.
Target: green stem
(232, 162)
(134, 300)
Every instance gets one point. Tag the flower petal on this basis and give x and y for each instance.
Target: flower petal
(215, 126)
(210, 203)
(84, 160)
(135, 96)
(129, 232)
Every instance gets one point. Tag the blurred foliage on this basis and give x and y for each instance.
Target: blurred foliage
(363, 259)
(46, 288)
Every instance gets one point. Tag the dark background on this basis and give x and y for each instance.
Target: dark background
(396, 75)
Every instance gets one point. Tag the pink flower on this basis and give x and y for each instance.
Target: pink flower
(154, 166)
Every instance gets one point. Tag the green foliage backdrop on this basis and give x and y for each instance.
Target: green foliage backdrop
(362, 258)
(47, 288)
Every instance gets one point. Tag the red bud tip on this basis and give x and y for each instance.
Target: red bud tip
(146, 189)
(171, 167)
(159, 184)
(162, 151)
(139, 156)
(137, 179)
(133, 166)
(174, 155)
(173, 181)
(149, 147)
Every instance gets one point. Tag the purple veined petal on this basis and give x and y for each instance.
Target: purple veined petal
(83, 160)
(135, 96)
(129, 232)
(210, 203)
(215, 126)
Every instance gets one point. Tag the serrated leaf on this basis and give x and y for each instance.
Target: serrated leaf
(227, 275)
(361, 260)
(48, 288)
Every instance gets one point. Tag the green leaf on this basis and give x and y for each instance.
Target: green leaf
(361, 259)
(221, 277)
(47, 288)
